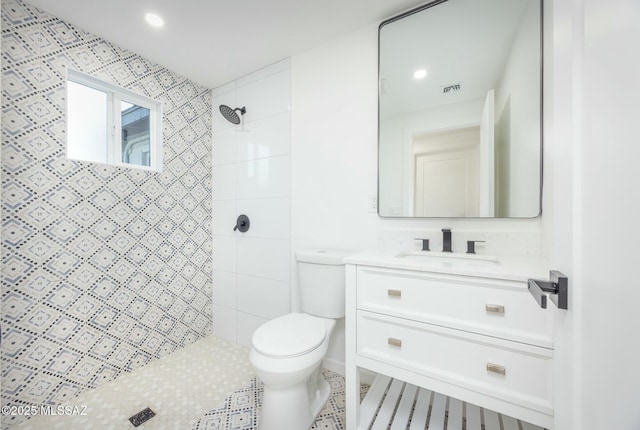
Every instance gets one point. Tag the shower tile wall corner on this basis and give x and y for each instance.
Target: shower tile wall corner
(104, 268)
(251, 175)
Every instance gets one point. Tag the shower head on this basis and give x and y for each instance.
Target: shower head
(231, 115)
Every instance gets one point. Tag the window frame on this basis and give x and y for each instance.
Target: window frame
(115, 95)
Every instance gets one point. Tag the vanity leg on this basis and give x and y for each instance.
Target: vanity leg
(352, 398)
(352, 375)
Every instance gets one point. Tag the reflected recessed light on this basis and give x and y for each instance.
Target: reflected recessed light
(419, 74)
(154, 20)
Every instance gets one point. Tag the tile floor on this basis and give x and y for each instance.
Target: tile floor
(180, 388)
(208, 385)
(242, 409)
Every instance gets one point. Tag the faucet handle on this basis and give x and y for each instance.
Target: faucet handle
(425, 244)
(471, 246)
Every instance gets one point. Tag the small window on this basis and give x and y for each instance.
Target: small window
(111, 125)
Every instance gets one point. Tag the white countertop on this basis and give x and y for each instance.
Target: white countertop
(509, 268)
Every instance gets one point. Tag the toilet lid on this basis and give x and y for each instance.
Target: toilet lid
(289, 335)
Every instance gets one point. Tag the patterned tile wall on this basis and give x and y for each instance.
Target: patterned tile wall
(103, 268)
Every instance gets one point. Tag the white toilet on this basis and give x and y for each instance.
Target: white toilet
(287, 352)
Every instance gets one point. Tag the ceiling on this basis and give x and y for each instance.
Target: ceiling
(213, 41)
(464, 42)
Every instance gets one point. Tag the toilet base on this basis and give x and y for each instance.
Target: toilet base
(294, 407)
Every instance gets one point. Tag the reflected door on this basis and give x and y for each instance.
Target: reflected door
(447, 184)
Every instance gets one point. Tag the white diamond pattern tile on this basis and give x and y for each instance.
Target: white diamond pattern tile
(39, 180)
(84, 244)
(38, 319)
(15, 305)
(15, 232)
(93, 285)
(104, 228)
(62, 231)
(84, 182)
(63, 263)
(63, 197)
(60, 166)
(62, 296)
(122, 213)
(84, 213)
(104, 199)
(15, 159)
(15, 196)
(38, 145)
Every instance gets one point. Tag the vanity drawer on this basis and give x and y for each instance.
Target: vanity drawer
(517, 373)
(493, 307)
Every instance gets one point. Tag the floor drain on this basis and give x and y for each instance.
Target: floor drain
(142, 416)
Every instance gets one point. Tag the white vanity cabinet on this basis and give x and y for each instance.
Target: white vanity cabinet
(476, 336)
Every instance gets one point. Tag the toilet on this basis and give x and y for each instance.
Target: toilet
(287, 352)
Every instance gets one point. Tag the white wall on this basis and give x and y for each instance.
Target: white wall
(251, 175)
(334, 165)
(333, 151)
(517, 86)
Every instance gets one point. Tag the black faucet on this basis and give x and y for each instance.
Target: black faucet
(446, 240)
(425, 244)
(471, 246)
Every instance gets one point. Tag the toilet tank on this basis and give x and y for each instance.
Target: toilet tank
(321, 281)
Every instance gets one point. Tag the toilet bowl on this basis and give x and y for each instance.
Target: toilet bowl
(290, 368)
(287, 352)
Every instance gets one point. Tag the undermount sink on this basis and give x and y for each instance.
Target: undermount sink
(449, 259)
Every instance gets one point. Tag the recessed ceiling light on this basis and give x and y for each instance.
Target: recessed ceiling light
(154, 20)
(419, 74)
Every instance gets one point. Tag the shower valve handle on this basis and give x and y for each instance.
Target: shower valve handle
(242, 224)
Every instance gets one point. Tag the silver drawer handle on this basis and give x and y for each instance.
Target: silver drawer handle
(495, 309)
(395, 342)
(394, 293)
(495, 368)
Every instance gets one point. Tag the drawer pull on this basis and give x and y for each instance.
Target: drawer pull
(500, 370)
(395, 342)
(495, 309)
(394, 293)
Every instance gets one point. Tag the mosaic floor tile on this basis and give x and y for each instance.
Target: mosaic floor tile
(179, 388)
(241, 410)
(182, 388)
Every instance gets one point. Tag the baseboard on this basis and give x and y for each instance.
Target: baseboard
(334, 365)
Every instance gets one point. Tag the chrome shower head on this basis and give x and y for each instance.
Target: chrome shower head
(231, 115)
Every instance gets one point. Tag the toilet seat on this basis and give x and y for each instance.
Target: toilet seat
(290, 335)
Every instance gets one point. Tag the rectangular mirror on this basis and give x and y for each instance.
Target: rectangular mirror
(460, 110)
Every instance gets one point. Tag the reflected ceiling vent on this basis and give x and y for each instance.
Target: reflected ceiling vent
(451, 89)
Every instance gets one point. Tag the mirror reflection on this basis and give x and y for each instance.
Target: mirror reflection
(460, 110)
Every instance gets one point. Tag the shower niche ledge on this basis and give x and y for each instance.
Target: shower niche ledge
(443, 337)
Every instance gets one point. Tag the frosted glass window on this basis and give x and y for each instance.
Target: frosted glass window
(112, 125)
(87, 123)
